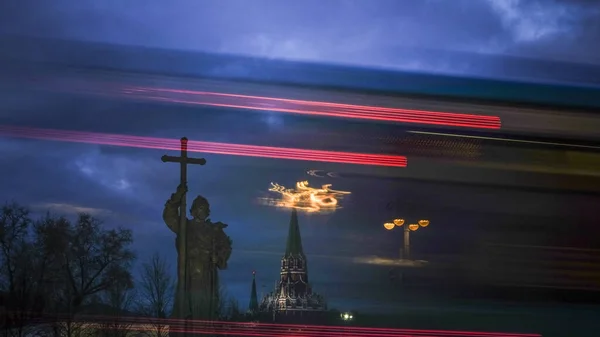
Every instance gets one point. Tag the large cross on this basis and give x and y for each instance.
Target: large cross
(183, 160)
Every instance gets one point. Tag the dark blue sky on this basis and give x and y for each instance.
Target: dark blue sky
(340, 31)
(128, 187)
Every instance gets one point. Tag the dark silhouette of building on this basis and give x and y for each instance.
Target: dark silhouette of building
(253, 306)
(293, 300)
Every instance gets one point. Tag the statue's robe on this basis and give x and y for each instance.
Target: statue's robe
(208, 249)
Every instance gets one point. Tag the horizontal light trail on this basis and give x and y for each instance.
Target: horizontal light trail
(314, 108)
(274, 330)
(505, 139)
(204, 147)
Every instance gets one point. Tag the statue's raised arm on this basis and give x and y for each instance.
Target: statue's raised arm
(171, 214)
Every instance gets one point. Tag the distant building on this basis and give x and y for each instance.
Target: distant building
(253, 305)
(293, 300)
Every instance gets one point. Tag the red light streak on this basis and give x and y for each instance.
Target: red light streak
(269, 329)
(205, 147)
(360, 331)
(314, 108)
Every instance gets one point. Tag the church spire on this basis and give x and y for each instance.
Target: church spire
(253, 306)
(294, 241)
(293, 293)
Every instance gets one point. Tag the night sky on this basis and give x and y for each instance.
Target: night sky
(128, 187)
(355, 32)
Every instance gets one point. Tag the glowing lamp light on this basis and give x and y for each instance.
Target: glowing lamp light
(413, 227)
(399, 222)
(389, 226)
(346, 316)
(423, 223)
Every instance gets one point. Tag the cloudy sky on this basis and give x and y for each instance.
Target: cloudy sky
(417, 35)
(128, 187)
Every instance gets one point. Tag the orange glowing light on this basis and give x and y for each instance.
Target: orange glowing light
(398, 222)
(423, 223)
(413, 227)
(306, 198)
(389, 226)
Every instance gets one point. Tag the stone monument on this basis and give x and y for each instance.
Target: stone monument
(203, 249)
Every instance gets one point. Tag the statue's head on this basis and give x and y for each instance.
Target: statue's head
(200, 209)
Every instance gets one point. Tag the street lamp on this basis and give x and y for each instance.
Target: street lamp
(346, 316)
(405, 253)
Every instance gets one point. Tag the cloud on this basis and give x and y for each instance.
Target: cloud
(290, 48)
(531, 21)
(356, 32)
(552, 29)
(113, 177)
(69, 209)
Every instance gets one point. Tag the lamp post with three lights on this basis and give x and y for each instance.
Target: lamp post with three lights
(405, 250)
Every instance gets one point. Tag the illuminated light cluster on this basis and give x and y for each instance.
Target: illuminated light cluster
(204, 147)
(314, 108)
(306, 198)
(347, 316)
(400, 222)
(220, 328)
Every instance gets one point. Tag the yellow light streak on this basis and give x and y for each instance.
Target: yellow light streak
(306, 198)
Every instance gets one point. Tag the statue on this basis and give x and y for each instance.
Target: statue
(208, 250)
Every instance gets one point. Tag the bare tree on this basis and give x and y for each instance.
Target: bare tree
(116, 303)
(233, 311)
(228, 306)
(52, 235)
(56, 265)
(19, 270)
(156, 292)
(83, 259)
